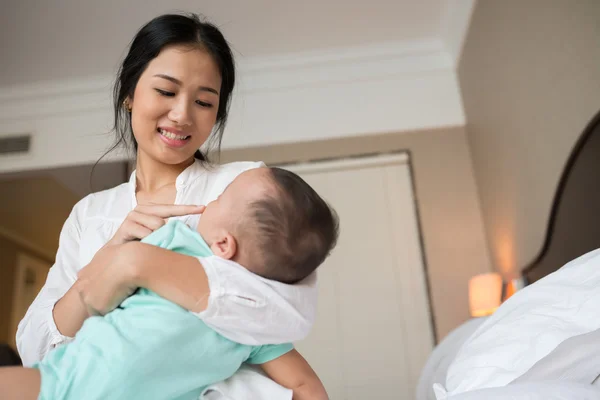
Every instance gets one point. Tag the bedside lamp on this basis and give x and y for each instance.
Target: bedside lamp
(513, 286)
(485, 294)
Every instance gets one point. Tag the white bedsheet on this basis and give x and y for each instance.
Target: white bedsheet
(569, 372)
(442, 356)
(534, 391)
(249, 383)
(577, 359)
(527, 328)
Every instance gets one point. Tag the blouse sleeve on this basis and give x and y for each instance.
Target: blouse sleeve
(37, 333)
(252, 310)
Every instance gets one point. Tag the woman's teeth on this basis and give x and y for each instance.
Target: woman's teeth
(171, 135)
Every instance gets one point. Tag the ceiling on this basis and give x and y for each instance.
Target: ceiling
(63, 39)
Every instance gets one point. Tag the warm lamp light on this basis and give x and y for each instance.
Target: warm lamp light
(513, 286)
(485, 294)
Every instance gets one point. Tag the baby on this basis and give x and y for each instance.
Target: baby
(269, 221)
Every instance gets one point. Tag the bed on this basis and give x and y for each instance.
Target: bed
(573, 230)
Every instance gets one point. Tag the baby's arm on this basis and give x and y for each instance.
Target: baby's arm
(292, 371)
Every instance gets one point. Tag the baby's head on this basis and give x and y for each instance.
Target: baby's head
(273, 223)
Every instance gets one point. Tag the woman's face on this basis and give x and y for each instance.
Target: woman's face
(175, 103)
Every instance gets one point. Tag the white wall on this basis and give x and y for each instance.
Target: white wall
(530, 80)
(311, 96)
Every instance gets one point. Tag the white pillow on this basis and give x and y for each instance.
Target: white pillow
(574, 360)
(534, 391)
(439, 360)
(527, 327)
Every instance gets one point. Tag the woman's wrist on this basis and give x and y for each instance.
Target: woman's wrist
(69, 313)
(132, 257)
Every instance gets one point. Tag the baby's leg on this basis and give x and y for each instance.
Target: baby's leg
(18, 383)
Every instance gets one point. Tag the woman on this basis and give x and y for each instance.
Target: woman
(171, 97)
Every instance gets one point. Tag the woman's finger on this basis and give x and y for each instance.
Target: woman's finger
(151, 222)
(169, 210)
(135, 231)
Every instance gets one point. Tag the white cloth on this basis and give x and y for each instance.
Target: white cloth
(567, 373)
(290, 309)
(247, 384)
(533, 391)
(577, 359)
(437, 364)
(249, 309)
(528, 327)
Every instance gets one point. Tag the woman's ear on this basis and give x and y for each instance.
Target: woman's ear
(128, 104)
(224, 246)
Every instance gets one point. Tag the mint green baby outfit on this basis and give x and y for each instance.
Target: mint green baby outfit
(148, 348)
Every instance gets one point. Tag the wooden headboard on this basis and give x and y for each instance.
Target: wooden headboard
(574, 224)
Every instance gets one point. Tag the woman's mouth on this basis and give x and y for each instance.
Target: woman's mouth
(171, 139)
(171, 135)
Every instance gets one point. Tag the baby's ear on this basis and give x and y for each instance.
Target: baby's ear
(225, 246)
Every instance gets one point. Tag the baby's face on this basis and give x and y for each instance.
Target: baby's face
(224, 212)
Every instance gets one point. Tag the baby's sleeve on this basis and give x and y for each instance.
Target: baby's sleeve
(252, 310)
(266, 353)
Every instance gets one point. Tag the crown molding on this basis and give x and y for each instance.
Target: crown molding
(373, 62)
(388, 87)
(455, 26)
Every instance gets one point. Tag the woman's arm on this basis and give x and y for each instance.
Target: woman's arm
(59, 311)
(236, 303)
(174, 276)
(39, 332)
(69, 312)
(117, 270)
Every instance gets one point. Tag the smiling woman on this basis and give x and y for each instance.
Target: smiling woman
(167, 84)
(171, 98)
(175, 103)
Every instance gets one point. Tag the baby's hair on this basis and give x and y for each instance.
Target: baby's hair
(295, 229)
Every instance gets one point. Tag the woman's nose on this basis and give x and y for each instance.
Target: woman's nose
(180, 113)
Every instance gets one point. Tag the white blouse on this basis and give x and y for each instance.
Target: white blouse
(242, 306)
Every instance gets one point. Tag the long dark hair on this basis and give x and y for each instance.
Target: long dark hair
(167, 30)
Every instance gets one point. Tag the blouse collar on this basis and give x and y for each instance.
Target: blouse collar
(186, 177)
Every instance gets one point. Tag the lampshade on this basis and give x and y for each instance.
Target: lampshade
(485, 294)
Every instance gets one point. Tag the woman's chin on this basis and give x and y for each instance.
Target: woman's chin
(170, 157)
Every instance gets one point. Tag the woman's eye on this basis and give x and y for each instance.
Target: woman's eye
(165, 93)
(203, 104)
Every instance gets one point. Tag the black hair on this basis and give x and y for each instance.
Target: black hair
(295, 229)
(168, 30)
(8, 357)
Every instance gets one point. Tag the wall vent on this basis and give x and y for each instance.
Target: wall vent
(15, 144)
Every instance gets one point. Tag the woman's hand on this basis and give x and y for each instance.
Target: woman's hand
(108, 279)
(144, 220)
(111, 275)
(117, 271)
